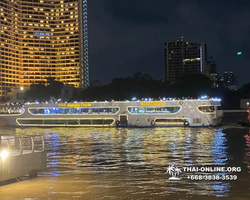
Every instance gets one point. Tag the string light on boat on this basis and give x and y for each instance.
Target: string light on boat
(134, 99)
(203, 97)
(215, 99)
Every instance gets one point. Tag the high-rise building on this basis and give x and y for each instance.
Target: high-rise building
(210, 70)
(41, 39)
(221, 81)
(210, 67)
(182, 57)
(228, 80)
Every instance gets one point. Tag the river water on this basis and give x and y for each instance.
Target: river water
(110, 163)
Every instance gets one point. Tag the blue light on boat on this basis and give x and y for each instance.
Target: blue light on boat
(215, 99)
(204, 97)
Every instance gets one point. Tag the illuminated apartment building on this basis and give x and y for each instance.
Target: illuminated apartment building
(182, 57)
(41, 39)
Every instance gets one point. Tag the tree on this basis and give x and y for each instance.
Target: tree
(36, 92)
(41, 92)
(192, 85)
(144, 86)
(54, 88)
(244, 91)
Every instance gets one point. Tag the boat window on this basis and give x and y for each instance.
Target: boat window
(154, 110)
(11, 110)
(68, 122)
(62, 111)
(206, 109)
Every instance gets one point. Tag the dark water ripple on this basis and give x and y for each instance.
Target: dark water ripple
(131, 163)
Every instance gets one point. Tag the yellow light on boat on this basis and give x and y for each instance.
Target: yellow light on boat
(4, 154)
(21, 88)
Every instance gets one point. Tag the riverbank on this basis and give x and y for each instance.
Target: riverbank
(233, 117)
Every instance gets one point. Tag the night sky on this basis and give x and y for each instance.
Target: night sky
(127, 36)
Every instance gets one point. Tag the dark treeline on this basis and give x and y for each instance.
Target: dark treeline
(43, 92)
(144, 86)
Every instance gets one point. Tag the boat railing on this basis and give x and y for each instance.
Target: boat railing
(133, 100)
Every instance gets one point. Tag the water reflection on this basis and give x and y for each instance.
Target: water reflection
(220, 159)
(133, 147)
(55, 144)
(221, 188)
(219, 148)
(131, 163)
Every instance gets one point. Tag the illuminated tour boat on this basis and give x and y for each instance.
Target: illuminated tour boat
(146, 113)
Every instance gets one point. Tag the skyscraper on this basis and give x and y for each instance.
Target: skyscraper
(210, 70)
(182, 57)
(41, 39)
(229, 79)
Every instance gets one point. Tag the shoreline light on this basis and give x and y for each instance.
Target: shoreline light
(4, 154)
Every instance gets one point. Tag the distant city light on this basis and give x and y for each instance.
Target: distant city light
(239, 53)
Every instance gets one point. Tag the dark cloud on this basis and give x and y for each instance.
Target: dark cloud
(128, 36)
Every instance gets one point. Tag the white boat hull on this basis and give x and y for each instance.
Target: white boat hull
(187, 114)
